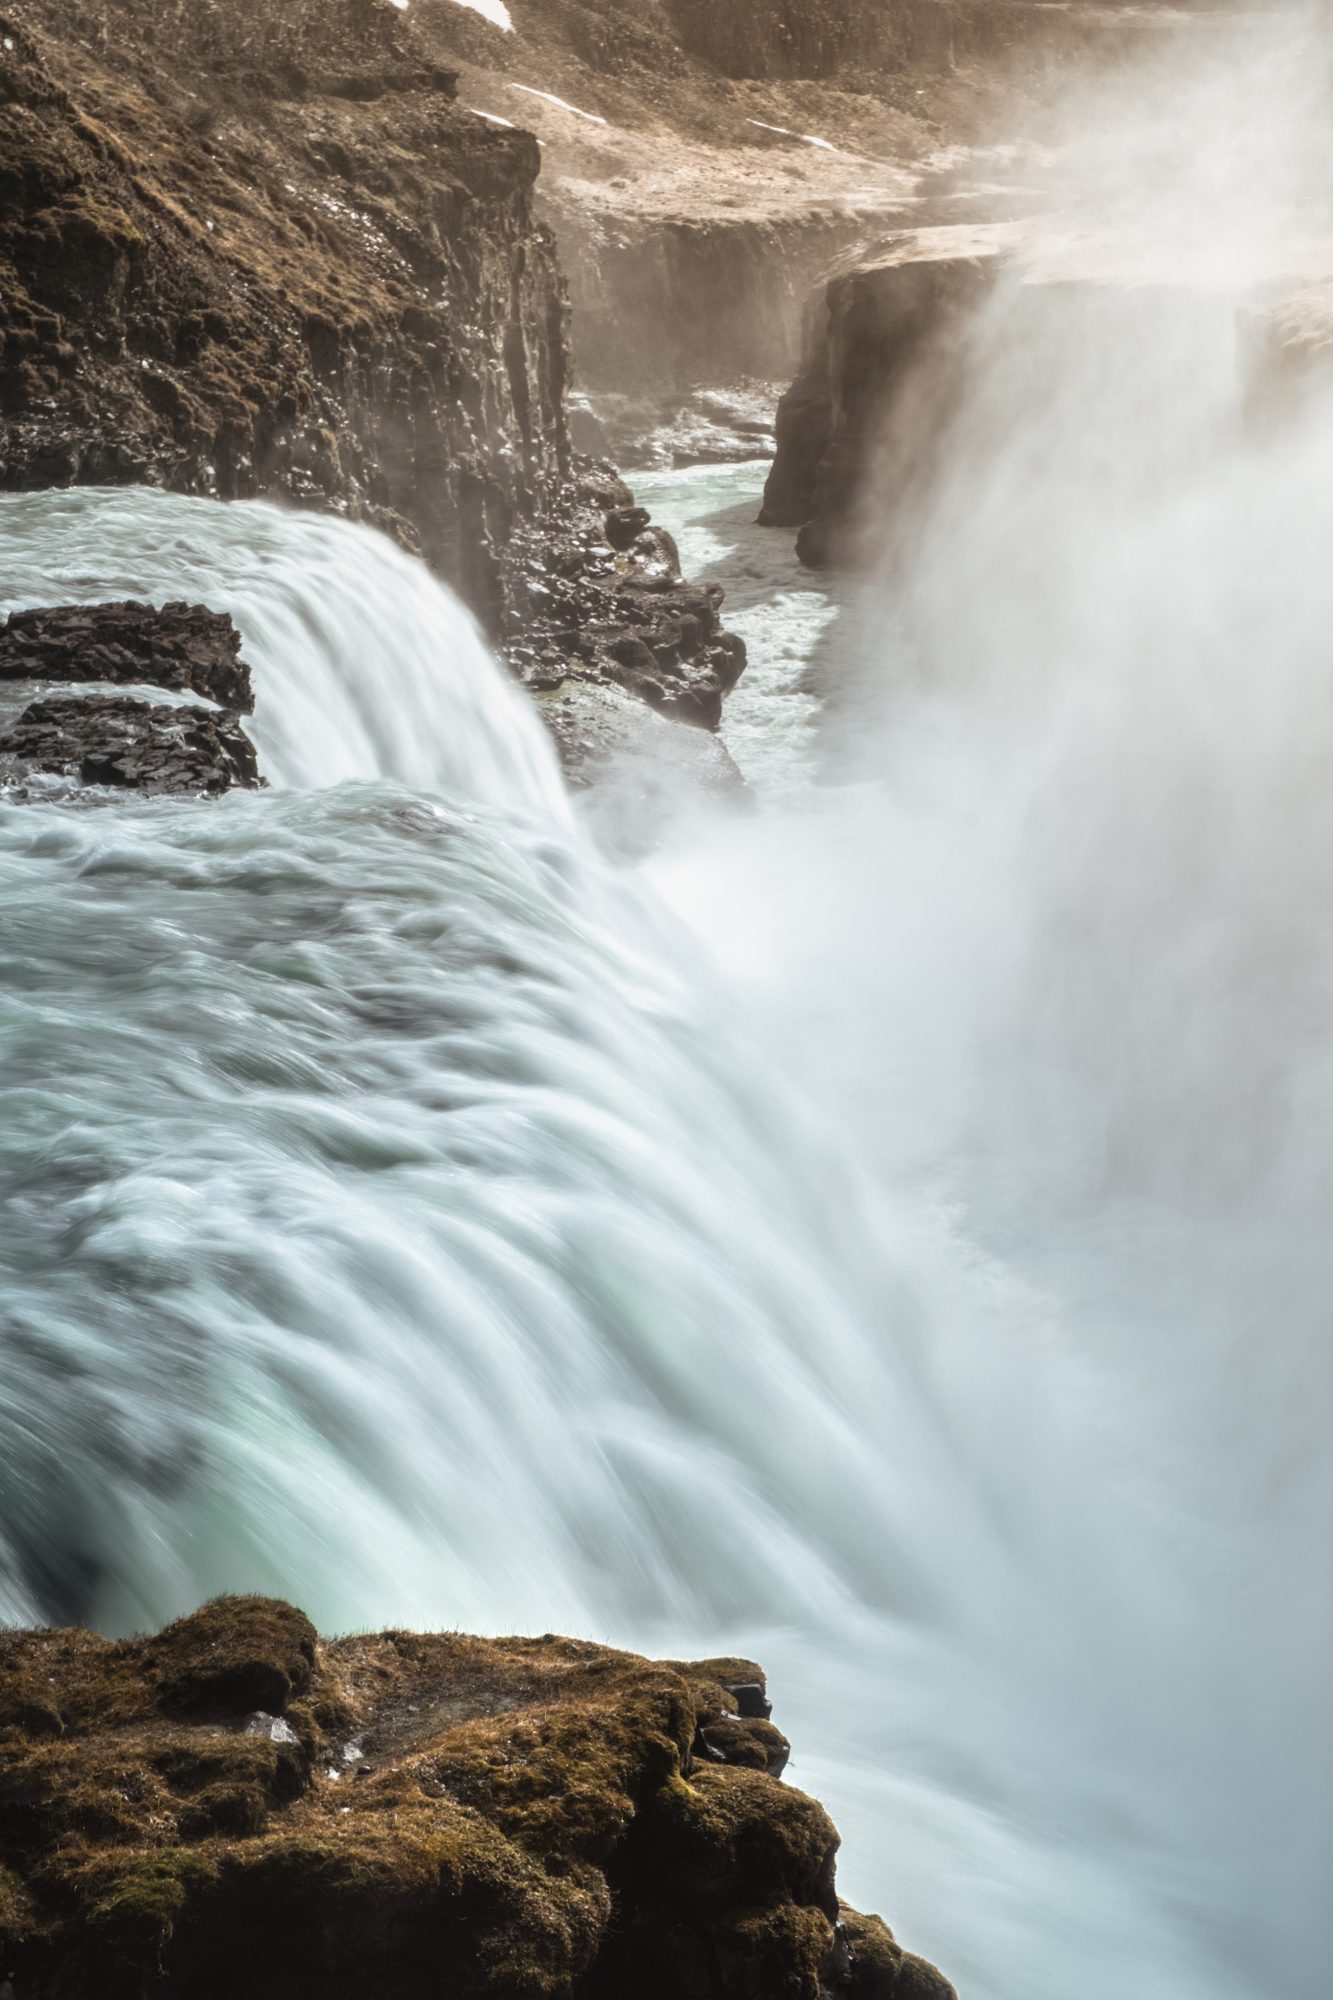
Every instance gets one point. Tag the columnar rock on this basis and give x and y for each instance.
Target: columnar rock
(862, 421)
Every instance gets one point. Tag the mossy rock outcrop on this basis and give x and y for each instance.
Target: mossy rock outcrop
(236, 1805)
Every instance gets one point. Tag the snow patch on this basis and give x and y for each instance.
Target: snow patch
(805, 138)
(527, 88)
(494, 11)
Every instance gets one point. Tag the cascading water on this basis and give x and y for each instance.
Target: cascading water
(401, 1213)
(364, 665)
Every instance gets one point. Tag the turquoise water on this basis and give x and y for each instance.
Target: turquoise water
(787, 616)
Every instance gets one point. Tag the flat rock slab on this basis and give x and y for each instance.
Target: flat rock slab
(140, 745)
(180, 646)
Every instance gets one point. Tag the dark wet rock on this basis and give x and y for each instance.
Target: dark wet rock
(861, 425)
(120, 741)
(92, 739)
(622, 617)
(804, 428)
(181, 646)
(624, 525)
(751, 1698)
(529, 1817)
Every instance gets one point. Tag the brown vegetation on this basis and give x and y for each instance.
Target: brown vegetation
(236, 1805)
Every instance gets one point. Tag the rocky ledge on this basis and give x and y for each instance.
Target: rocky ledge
(606, 603)
(88, 738)
(238, 1806)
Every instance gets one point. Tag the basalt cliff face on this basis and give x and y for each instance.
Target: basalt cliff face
(858, 428)
(237, 1806)
(275, 263)
(790, 38)
(866, 422)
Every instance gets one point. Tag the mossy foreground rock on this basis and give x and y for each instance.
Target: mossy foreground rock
(236, 1807)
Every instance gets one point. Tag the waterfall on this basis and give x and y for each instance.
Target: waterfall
(364, 665)
(890, 1240)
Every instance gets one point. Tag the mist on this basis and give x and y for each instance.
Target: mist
(1053, 943)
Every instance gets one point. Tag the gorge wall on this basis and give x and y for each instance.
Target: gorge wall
(314, 280)
(867, 419)
(248, 252)
(788, 38)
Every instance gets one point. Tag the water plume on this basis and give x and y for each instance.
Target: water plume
(1054, 945)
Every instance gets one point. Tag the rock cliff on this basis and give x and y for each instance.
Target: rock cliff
(316, 280)
(237, 1806)
(790, 38)
(877, 383)
(861, 429)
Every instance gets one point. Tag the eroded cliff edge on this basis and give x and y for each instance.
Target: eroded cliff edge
(238, 1806)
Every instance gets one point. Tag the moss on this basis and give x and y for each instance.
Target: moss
(51, 1681)
(565, 1781)
(783, 1951)
(734, 1838)
(238, 1811)
(882, 1970)
(16, 1914)
(524, 1822)
(414, 1891)
(132, 1903)
(236, 1655)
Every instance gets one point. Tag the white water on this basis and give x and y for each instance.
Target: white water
(786, 616)
(364, 665)
(401, 1214)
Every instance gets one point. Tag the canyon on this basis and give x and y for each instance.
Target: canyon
(593, 1022)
